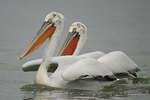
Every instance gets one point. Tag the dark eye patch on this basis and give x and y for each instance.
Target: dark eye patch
(78, 25)
(54, 15)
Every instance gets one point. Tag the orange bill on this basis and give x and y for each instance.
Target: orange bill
(39, 39)
(71, 47)
(70, 44)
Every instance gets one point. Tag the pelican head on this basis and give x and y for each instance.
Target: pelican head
(53, 22)
(75, 39)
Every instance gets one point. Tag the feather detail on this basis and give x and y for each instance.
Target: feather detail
(119, 62)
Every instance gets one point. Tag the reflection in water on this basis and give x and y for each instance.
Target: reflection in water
(49, 95)
(121, 88)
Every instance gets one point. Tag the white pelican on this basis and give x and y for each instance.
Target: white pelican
(52, 28)
(117, 61)
(74, 42)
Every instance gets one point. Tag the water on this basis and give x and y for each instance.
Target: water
(112, 25)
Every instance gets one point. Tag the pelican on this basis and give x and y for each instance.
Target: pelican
(116, 61)
(74, 42)
(51, 29)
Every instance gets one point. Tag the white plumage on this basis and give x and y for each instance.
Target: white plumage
(85, 67)
(33, 65)
(119, 62)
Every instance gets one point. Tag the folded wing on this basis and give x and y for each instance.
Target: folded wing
(119, 62)
(86, 67)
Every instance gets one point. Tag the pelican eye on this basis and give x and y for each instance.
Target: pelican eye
(74, 29)
(50, 19)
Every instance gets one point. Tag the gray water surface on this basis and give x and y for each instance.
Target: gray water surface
(112, 25)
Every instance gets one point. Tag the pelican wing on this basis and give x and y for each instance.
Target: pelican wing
(95, 54)
(85, 67)
(33, 65)
(119, 62)
(62, 61)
